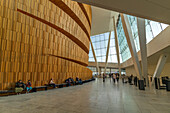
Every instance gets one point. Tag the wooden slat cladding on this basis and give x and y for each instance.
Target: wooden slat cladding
(85, 13)
(72, 60)
(32, 50)
(63, 4)
(73, 38)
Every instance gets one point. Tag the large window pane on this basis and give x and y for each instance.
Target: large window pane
(156, 28)
(164, 26)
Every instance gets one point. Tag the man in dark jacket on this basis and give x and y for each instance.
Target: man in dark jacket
(19, 87)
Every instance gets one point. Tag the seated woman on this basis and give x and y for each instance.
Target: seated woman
(28, 86)
(77, 79)
(68, 81)
(51, 83)
(80, 82)
(72, 81)
(19, 87)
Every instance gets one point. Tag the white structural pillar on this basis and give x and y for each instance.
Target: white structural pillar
(131, 44)
(143, 49)
(117, 46)
(160, 65)
(107, 52)
(97, 65)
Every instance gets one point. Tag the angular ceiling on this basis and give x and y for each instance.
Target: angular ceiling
(157, 10)
(102, 20)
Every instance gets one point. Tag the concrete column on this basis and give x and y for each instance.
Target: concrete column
(131, 44)
(107, 52)
(160, 65)
(117, 46)
(143, 49)
(97, 65)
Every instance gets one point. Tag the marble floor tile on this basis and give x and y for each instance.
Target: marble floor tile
(92, 97)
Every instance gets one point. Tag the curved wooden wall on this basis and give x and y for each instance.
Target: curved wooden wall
(43, 39)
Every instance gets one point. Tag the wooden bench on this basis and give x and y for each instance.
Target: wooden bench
(4, 93)
(11, 91)
(7, 92)
(61, 85)
(76, 83)
(39, 87)
(89, 80)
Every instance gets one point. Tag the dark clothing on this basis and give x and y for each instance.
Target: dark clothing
(114, 80)
(103, 78)
(72, 81)
(135, 81)
(52, 85)
(80, 82)
(68, 82)
(117, 77)
(20, 85)
(28, 84)
(77, 79)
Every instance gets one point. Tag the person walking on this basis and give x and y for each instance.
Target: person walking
(117, 77)
(114, 78)
(103, 77)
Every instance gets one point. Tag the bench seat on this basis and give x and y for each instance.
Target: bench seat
(61, 85)
(39, 87)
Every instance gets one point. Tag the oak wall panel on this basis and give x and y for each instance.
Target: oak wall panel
(35, 50)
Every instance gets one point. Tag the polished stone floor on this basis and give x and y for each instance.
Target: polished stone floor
(93, 97)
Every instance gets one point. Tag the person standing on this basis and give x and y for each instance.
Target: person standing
(103, 77)
(114, 78)
(117, 77)
(130, 78)
(123, 78)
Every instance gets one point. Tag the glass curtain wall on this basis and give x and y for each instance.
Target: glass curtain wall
(93, 69)
(152, 30)
(100, 43)
(123, 46)
(91, 57)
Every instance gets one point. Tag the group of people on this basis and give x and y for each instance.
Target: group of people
(70, 81)
(20, 86)
(115, 77)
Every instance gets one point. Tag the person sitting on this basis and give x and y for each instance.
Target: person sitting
(68, 82)
(79, 80)
(72, 80)
(28, 86)
(51, 83)
(19, 87)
